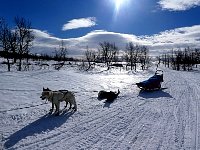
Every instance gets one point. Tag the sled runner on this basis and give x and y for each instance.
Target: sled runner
(153, 83)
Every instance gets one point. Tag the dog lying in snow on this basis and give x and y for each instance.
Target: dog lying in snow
(109, 96)
(55, 97)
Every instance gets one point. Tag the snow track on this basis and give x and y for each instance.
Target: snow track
(165, 119)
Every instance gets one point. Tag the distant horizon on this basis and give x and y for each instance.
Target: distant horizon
(161, 25)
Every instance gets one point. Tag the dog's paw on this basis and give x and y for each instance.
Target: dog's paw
(50, 111)
(75, 109)
(57, 114)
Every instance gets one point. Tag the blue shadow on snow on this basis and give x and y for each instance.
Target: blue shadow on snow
(47, 122)
(154, 94)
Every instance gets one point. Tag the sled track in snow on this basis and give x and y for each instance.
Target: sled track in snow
(167, 119)
(3, 111)
(184, 118)
(95, 128)
(196, 91)
(197, 129)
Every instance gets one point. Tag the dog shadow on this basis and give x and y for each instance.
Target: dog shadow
(154, 94)
(46, 122)
(107, 103)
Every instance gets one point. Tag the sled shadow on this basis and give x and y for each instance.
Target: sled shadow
(47, 122)
(154, 94)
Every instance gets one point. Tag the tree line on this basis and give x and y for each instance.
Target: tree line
(15, 44)
(108, 53)
(179, 59)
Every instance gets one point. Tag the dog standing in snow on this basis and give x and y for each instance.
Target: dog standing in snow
(109, 96)
(55, 97)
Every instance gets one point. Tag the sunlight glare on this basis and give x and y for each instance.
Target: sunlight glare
(118, 3)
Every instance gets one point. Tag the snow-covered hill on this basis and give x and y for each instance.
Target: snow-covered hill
(165, 119)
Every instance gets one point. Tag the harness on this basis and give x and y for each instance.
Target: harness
(51, 94)
(50, 98)
(64, 92)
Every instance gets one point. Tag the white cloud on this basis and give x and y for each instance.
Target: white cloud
(178, 5)
(79, 23)
(157, 43)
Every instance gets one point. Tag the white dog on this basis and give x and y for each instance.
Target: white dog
(55, 97)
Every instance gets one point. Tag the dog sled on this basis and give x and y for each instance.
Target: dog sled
(153, 83)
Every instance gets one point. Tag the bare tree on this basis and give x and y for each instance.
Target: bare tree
(5, 34)
(131, 55)
(185, 59)
(108, 52)
(143, 56)
(136, 54)
(61, 52)
(13, 45)
(24, 38)
(90, 57)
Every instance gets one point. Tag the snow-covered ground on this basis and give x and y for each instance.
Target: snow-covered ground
(165, 119)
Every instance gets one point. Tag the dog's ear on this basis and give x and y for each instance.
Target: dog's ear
(47, 89)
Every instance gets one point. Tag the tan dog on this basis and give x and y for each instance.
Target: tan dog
(55, 97)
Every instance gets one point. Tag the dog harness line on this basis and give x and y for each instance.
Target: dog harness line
(51, 95)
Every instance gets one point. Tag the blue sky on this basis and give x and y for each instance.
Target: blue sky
(159, 24)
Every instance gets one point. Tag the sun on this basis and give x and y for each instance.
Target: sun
(118, 3)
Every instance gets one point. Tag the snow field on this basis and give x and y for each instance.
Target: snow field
(165, 119)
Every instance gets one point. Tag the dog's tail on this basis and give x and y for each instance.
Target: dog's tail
(118, 92)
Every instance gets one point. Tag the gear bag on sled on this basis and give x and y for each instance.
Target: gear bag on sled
(153, 83)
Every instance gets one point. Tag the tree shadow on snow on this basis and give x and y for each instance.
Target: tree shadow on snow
(47, 122)
(154, 94)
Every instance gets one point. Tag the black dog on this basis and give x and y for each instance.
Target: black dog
(109, 96)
